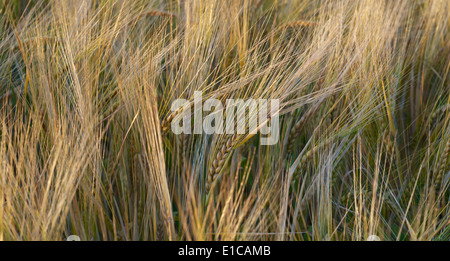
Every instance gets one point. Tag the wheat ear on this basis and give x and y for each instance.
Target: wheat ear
(295, 130)
(219, 160)
(165, 124)
(439, 112)
(309, 155)
(159, 14)
(442, 165)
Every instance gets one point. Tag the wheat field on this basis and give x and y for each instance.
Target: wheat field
(86, 147)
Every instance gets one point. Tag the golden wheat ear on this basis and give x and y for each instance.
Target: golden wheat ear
(219, 160)
(156, 13)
